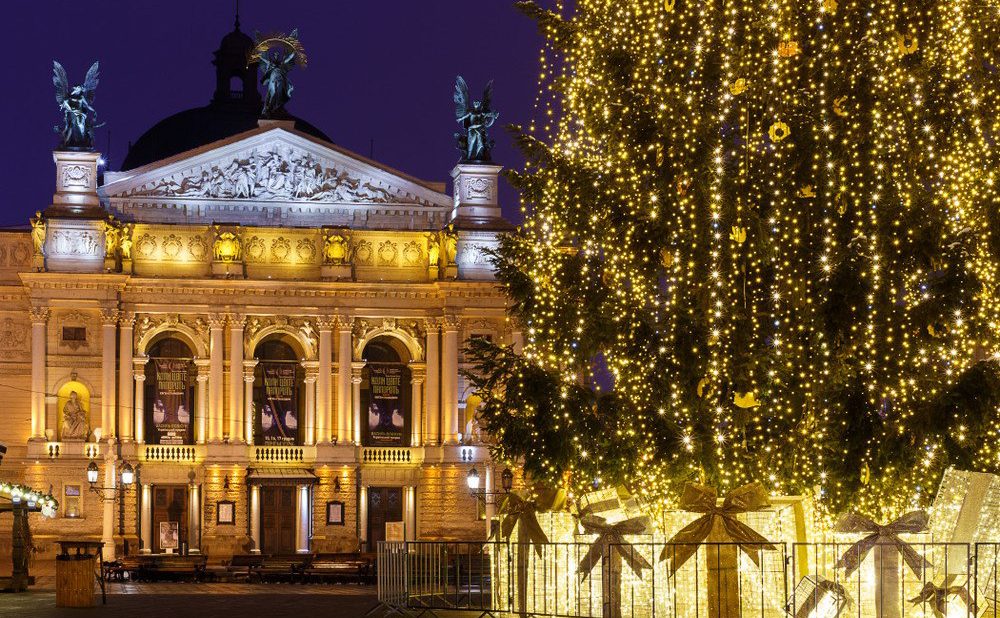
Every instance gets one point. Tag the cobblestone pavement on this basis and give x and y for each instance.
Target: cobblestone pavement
(183, 600)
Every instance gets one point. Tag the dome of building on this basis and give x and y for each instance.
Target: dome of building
(234, 108)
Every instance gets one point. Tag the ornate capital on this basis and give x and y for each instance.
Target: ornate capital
(39, 315)
(216, 320)
(237, 320)
(109, 317)
(451, 322)
(344, 322)
(432, 325)
(126, 319)
(326, 322)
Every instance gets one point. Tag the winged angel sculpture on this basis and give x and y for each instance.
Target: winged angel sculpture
(277, 54)
(76, 104)
(475, 118)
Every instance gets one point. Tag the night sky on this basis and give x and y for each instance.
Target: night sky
(379, 70)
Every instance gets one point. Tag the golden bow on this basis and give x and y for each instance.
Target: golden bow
(611, 538)
(937, 596)
(718, 523)
(522, 514)
(888, 535)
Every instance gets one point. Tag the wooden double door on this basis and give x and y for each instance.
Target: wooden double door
(170, 504)
(277, 519)
(384, 504)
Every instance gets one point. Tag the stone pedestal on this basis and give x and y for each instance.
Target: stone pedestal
(475, 191)
(76, 185)
(336, 272)
(450, 272)
(227, 270)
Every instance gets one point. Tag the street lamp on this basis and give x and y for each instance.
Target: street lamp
(127, 478)
(485, 496)
(473, 480)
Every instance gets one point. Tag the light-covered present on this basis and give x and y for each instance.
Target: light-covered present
(965, 511)
(817, 597)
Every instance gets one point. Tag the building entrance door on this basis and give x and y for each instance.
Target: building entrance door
(277, 519)
(170, 506)
(384, 504)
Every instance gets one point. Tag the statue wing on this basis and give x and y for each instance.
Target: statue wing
(488, 97)
(60, 81)
(90, 82)
(461, 98)
(294, 34)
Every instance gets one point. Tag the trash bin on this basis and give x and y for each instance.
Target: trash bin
(75, 574)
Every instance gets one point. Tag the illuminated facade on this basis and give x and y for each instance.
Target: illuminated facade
(266, 325)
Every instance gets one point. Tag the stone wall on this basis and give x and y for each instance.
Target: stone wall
(445, 509)
(335, 538)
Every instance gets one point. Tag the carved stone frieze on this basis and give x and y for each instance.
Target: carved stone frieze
(13, 338)
(280, 248)
(272, 173)
(82, 243)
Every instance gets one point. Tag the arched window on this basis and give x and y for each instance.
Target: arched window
(236, 86)
(169, 393)
(385, 394)
(277, 394)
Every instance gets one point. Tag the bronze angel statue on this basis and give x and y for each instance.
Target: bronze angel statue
(475, 117)
(277, 54)
(76, 104)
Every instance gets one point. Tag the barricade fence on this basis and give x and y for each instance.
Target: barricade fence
(707, 580)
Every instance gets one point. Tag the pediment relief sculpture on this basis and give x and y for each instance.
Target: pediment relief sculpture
(278, 173)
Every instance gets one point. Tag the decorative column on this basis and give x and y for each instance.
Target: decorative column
(248, 421)
(323, 415)
(126, 415)
(146, 519)
(450, 425)
(344, 401)
(236, 322)
(309, 425)
(39, 318)
(409, 513)
(302, 511)
(109, 331)
(363, 515)
(139, 377)
(418, 372)
(108, 519)
(255, 518)
(359, 414)
(194, 519)
(201, 397)
(432, 405)
(216, 351)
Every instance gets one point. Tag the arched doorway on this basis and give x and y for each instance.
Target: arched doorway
(168, 395)
(385, 393)
(278, 393)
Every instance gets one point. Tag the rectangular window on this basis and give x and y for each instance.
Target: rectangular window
(71, 501)
(74, 333)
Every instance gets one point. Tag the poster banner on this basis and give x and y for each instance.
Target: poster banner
(278, 406)
(388, 405)
(169, 414)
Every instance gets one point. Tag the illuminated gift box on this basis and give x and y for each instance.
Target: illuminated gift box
(817, 597)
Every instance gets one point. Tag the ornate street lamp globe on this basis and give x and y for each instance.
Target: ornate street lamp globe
(128, 474)
(473, 479)
(92, 473)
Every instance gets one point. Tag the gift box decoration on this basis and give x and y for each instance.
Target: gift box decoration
(873, 561)
(817, 597)
(965, 511)
(941, 600)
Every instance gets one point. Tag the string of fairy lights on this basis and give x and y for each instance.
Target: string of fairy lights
(784, 209)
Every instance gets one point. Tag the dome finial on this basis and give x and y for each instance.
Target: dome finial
(237, 24)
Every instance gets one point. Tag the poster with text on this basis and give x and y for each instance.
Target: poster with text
(278, 407)
(387, 403)
(169, 412)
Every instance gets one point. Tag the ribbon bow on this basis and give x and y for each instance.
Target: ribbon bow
(914, 521)
(522, 514)
(719, 523)
(937, 596)
(612, 536)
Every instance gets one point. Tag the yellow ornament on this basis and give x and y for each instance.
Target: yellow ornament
(866, 474)
(789, 49)
(936, 331)
(830, 6)
(841, 203)
(838, 107)
(745, 400)
(738, 234)
(738, 87)
(666, 258)
(807, 191)
(907, 43)
(659, 155)
(779, 131)
(704, 387)
(668, 5)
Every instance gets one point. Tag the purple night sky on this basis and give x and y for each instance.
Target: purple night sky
(379, 70)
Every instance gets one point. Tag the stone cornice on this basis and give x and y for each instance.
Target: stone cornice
(74, 281)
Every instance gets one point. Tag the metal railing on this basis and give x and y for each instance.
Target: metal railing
(717, 580)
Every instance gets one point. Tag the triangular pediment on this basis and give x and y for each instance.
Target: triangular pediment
(269, 165)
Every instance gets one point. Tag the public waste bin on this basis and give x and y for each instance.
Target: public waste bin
(76, 574)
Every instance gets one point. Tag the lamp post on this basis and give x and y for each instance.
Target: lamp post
(484, 495)
(116, 491)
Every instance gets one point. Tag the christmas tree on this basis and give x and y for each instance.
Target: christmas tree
(772, 225)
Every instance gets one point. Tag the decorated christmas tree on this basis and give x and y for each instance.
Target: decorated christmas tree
(760, 244)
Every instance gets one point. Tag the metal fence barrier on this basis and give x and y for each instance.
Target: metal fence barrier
(716, 580)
